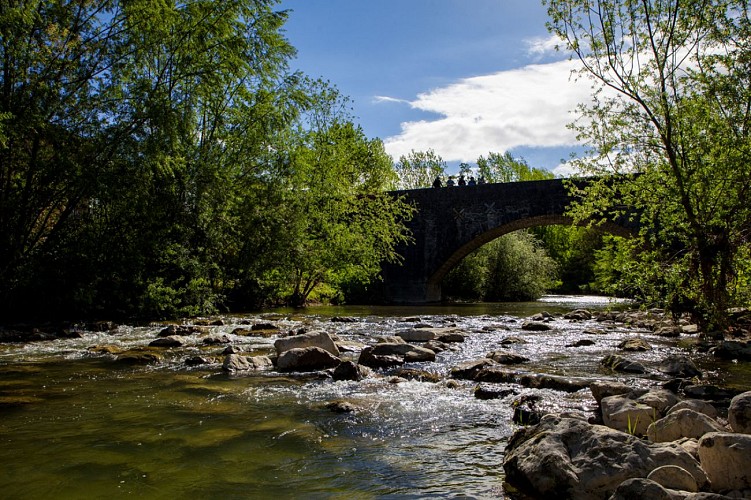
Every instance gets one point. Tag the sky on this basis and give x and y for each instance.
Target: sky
(461, 77)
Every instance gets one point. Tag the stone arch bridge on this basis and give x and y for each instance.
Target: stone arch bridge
(451, 222)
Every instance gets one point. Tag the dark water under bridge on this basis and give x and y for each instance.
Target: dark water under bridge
(451, 222)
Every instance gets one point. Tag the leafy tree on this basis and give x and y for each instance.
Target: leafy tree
(673, 105)
(513, 267)
(419, 169)
(505, 168)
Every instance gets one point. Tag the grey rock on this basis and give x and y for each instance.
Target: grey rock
(674, 478)
(621, 364)
(739, 413)
(322, 340)
(726, 458)
(306, 359)
(682, 424)
(234, 363)
(679, 366)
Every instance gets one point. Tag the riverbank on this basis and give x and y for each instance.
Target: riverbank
(207, 393)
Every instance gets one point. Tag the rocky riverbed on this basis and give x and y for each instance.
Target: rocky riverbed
(603, 403)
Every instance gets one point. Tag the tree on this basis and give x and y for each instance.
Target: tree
(505, 168)
(674, 105)
(418, 169)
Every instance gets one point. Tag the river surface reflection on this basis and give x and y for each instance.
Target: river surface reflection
(75, 424)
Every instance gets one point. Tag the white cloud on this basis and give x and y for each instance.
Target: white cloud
(383, 98)
(529, 106)
(540, 46)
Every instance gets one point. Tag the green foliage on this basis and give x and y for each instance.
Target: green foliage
(513, 267)
(673, 105)
(419, 169)
(157, 159)
(505, 168)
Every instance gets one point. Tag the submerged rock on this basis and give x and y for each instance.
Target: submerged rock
(635, 344)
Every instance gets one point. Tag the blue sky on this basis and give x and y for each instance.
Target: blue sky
(461, 77)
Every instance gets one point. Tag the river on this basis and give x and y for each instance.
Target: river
(74, 424)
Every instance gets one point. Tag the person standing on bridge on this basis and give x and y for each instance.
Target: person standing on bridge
(472, 181)
(462, 182)
(437, 182)
(450, 182)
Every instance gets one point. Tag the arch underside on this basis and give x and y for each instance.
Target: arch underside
(434, 281)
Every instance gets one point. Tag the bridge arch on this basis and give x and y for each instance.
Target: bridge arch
(450, 223)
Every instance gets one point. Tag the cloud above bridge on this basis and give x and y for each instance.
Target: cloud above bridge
(525, 107)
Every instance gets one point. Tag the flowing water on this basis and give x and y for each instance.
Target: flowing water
(75, 424)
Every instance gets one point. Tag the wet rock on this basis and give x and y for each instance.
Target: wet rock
(423, 325)
(390, 339)
(139, 357)
(635, 344)
(668, 331)
(469, 369)
(350, 346)
(506, 357)
(343, 319)
(679, 366)
(534, 326)
(726, 458)
(673, 478)
(696, 405)
(690, 329)
(347, 370)
(512, 341)
(418, 335)
(578, 315)
(581, 343)
(342, 407)
(739, 413)
(217, 340)
(621, 364)
(450, 337)
(708, 393)
(241, 332)
(639, 487)
(418, 375)
(593, 331)
(386, 355)
(105, 349)
(412, 319)
(234, 363)
(181, 330)
(100, 326)
(197, 361)
(601, 389)
(305, 359)
(437, 346)
(567, 457)
(541, 316)
(682, 424)
(232, 349)
(173, 341)
(484, 391)
(532, 380)
(321, 340)
(257, 327)
(731, 349)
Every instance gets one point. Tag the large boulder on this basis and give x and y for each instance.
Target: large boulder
(696, 405)
(417, 335)
(626, 415)
(569, 458)
(739, 413)
(659, 399)
(732, 349)
(306, 359)
(682, 424)
(321, 340)
(674, 478)
(348, 370)
(726, 458)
